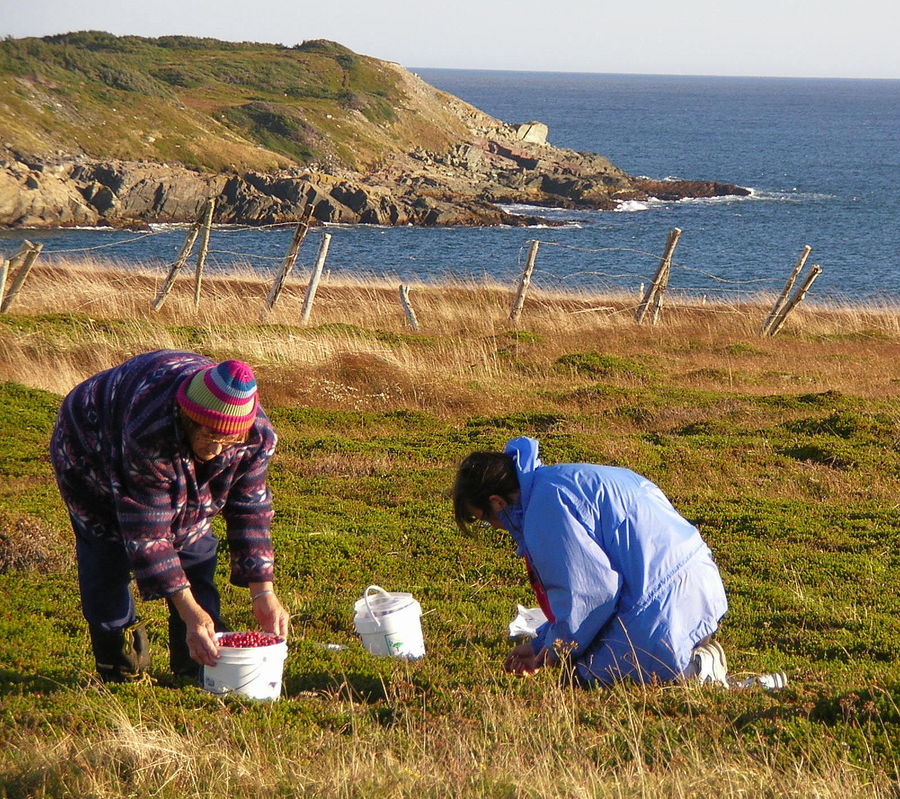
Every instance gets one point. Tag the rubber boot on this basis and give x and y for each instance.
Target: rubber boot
(121, 655)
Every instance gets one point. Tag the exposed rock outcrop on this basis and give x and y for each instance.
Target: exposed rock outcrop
(489, 164)
(535, 132)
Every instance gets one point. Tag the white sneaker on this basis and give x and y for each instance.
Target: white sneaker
(773, 681)
(708, 664)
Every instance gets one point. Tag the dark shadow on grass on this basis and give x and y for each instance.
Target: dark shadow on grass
(361, 687)
(15, 682)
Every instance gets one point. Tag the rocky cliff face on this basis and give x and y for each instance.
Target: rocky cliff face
(486, 165)
(466, 186)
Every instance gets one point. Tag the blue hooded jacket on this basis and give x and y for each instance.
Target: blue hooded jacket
(631, 586)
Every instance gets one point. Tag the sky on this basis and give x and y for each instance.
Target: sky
(788, 38)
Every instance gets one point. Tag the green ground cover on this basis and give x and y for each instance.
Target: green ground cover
(796, 495)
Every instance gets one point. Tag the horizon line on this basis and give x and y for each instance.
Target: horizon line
(641, 73)
(647, 74)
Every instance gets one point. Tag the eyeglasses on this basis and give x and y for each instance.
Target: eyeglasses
(208, 437)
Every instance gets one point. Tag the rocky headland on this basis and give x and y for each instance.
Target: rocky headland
(388, 149)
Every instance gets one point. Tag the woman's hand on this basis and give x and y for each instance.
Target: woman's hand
(268, 610)
(201, 629)
(523, 661)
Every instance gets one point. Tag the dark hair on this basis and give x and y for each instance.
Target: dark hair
(480, 476)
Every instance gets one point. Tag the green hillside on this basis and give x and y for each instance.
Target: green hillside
(212, 105)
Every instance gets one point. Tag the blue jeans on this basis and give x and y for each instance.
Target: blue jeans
(107, 601)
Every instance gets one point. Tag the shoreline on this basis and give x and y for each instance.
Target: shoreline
(574, 259)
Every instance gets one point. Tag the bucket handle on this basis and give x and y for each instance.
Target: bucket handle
(366, 597)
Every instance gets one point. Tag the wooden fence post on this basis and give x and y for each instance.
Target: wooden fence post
(314, 278)
(4, 270)
(524, 281)
(27, 259)
(15, 262)
(779, 303)
(408, 309)
(19, 255)
(287, 265)
(183, 255)
(778, 322)
(652, 301)
(204, 248)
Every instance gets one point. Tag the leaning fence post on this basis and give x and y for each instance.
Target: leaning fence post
(288, 264)
(524, 281)
(652, 301)
(314, 278)
(183, 255)
(28, 260)
(4, 270)
(204, 249)
(408, 309)
(779, 303)
(777, 324)
(19, 255)
(15, 262)
(657, 301)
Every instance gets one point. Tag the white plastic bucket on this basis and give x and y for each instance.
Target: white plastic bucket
(389, 624)
(252, 671)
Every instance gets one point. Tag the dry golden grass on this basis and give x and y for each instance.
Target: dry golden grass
(537, 748)
(26, 543)
(358, 350)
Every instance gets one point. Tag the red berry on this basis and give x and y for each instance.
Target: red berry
(243, 640)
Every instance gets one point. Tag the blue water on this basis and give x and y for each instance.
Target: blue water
(822, 158)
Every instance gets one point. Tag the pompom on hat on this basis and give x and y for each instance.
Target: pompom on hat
(222, 397)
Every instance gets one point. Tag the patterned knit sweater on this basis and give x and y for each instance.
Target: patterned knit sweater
(127, 473)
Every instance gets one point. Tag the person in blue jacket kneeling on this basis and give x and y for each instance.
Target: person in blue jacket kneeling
(628, 586)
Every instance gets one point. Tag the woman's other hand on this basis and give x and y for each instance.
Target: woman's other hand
(270, 614)
(523, 661)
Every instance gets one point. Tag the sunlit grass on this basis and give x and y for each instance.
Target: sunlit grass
(465, 351)
(783, 451)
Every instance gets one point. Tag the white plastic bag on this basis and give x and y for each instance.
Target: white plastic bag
(526, 622)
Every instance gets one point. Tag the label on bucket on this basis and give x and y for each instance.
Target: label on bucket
(401, 646)
(396, 644)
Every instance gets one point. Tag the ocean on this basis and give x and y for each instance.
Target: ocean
(821, 156)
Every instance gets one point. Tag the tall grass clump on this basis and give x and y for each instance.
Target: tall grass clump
(546, 741)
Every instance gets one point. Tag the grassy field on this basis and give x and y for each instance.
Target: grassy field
(784, 451)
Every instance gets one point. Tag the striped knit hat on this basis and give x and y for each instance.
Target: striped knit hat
(221, 397)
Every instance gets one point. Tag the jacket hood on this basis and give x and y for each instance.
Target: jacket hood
(524, 452)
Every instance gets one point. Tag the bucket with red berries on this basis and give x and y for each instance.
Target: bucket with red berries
(250, 664)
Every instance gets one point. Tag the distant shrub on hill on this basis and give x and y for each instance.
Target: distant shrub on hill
(324, 47)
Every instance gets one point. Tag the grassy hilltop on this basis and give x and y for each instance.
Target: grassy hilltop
(211, 105)
(784, 451)
(99, 129)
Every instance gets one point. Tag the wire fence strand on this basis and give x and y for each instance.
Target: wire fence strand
(639, 275)
(547, 273)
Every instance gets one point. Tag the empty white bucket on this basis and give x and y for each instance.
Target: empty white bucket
(252, 671)
(389, 624)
